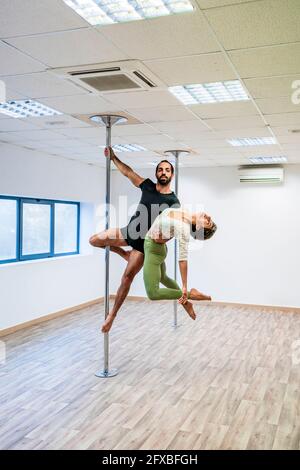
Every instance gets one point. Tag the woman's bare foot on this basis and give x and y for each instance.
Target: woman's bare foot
(197, 295)
(188, 307)
(107, 324)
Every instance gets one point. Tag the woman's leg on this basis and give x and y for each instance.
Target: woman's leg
(166, 280)
(155, 254)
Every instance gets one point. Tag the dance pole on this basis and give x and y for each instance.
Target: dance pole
(108, 120)
(176, 154)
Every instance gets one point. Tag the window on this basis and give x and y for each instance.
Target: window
(66, 234)
(36, 228)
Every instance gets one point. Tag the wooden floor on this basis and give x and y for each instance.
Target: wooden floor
(225, 381)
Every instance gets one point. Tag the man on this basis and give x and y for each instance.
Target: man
(156, 197)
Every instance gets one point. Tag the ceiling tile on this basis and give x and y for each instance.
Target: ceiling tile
(15, 124)
(132, 130)
(182, 128)
(277, 105)
(42, 85)
(235, 122)
(255, 24)
(19, 18)
(63, 49)
(218, 110)
(167, 36)
(159, 114)
(284, 119)
(272, 87)
(267, 61)
(80, 104)
(57, 122)
(13, 62)
(142, 99)
(219, 3)
(202, 68)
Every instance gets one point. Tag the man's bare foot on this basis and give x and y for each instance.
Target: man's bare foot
(197, 295)
(188, 307)
(107, 324)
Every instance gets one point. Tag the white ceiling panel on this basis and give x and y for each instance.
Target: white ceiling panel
(272, 87)
(293, 139)
(203, 68)
(80, 104)
(282, 130)
(255, 150)
(218, 110)
(57, 122)
(20, 136)
(20, 18)
(182, 128)
(247, 132)
(142, 99)
(42, 85)
(84, 133)
(14, 124)
(13, 62)
(63, 49)
(132, 130)
(150, 141)
(168, 36)
(267, 61)
(219, 3)
(159, 114)
(235, 122)
(277, 105)
(284, 119)
(254, 24)
(12, 95)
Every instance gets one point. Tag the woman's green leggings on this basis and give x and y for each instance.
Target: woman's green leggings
(155, 272)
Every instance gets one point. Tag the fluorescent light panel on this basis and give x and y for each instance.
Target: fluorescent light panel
(246, 142)
(101, 12)
(26, 108)
(216, 92)
(266, 160)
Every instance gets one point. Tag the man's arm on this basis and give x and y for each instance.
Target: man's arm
(124, 169)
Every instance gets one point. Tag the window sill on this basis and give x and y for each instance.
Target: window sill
(43, 260)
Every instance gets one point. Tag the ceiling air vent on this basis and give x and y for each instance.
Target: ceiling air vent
(128, 75)
(261, 174)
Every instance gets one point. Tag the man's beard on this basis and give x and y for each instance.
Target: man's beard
(165, 181)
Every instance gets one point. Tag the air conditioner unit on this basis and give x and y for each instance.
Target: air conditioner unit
(127, 75)
(261, 174)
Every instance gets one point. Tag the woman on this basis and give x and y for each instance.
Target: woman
(179, 224)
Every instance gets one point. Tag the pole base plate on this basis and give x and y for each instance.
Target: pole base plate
(103, 374)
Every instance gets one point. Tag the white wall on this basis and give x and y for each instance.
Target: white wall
(254, 256)
(32, 289)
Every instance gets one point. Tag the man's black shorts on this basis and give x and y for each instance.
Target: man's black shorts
(136, 244)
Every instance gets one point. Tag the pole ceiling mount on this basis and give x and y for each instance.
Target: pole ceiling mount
(108, 120)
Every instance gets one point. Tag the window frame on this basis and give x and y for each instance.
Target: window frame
(14, 260)
(20, 201)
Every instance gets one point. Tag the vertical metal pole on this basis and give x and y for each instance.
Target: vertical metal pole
(108, 120)
(176, 154)
(107, 248)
